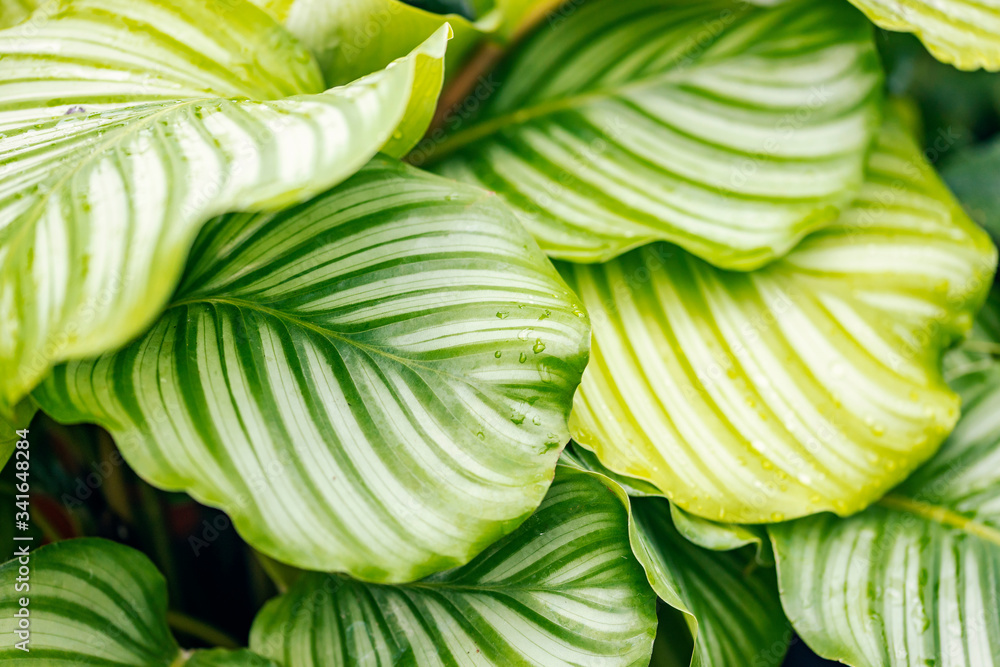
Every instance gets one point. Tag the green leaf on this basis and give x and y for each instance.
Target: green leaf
(731, 607)
(972, 175)
(351, 38)
(94, 602)
(13, 12)
(913, 580)
(728, 129)
(813, 384)
(722, 536)
(376, 382)
(563, 589)
(117, 152)
(90, 601)
(963, 33)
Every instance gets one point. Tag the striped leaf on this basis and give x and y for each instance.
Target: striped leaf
(731, 607)
(914, 580)
(13, 12)
(352, 38)
(728, 129)
(813, 384)
(722, 536)
(963, 33)
(93, 602)
(151, 121)
(376, 382)
(563, 589)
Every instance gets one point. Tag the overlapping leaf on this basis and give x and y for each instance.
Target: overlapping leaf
(563, 589)
(93, 602)
(352, 38)
(732, 608)
(813, 384)
(376, 382)
(914, 580)
(150, 121)
(726, 128)
(964, 33)
(13, 12)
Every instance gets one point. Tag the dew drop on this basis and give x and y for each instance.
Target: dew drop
(539, 346)
(502, 314)
(498, 354)
(523, 358)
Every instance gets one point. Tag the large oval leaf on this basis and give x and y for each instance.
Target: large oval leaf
(729, 129)
(731, 607)
(813, 384)
(563, 589)
(915, 580)
(146, 125)
(964, 33)
(376, 382)
(93, 602)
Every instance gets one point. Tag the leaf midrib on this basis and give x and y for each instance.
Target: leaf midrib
(315, 328)
(942, 515)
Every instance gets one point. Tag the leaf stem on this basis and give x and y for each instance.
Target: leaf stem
(942, 515)
(200, 630)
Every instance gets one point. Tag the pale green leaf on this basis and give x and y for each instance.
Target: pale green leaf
(94, 602)
(352, 38)
(376, 382)
(963, 33)
(563, 589)
(115, 153)
(813, 384)
(731, 607)
(722, 536)
(914, 580)
(90, 602)
(704, 533)
(13, 12)
(726, 128)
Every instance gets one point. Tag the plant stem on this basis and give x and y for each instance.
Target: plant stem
(200, 630)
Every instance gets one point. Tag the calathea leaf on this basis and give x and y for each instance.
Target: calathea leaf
(812, 384)
(913, 580)
(352, 38)
(151, 121)
(375, 382)
(93, 602)
(562, 589)
(731, 608)
(704, 533)
(728, 129)
(13, 12)
(963, 33)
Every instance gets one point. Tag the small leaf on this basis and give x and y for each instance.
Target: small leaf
(563, 589)
(722, 536)
(728, 129)
(914, 580)
(90, 601)
(337, 377)
(963, 33)
(813, 384)
(115, 154)
(352, 38)
(732, 607)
